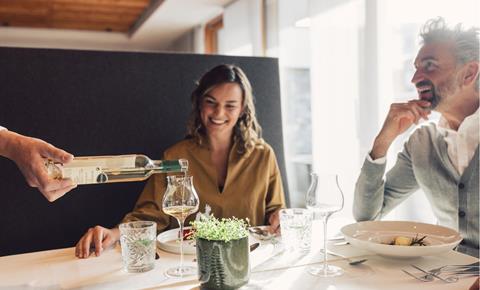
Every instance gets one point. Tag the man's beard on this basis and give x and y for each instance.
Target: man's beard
(446, 88)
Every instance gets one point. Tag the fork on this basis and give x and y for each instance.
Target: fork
(449, 279)
(454, 269)
(350, 261)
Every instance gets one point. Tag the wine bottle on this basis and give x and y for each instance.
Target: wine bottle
(106, 169)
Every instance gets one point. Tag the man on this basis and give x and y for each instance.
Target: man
(442, 159)
(29, 154)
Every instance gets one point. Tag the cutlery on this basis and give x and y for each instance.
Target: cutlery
(350, 261)
(447, 268)
(453, 271)
(254, 246)
(449, 279)
(417, 277)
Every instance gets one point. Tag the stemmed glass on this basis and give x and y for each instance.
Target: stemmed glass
(325, 197)
(180, 201)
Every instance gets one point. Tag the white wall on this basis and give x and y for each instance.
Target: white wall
(242, 29)
(294, 42)
(69, 39)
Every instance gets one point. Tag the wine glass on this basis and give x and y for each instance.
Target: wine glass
(325, 197)
(180, 201)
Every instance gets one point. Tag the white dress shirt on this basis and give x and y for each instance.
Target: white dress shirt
(462, 143)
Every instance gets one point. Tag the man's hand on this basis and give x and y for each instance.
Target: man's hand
(400, 117)
(29, 154)
(98, 239)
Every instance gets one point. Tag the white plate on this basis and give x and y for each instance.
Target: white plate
(169, 242)
(375, 235)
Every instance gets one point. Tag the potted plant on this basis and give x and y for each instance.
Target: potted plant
(222, 252)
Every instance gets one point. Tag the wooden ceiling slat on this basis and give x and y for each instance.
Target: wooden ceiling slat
(115, 15)
(113, 3)
(61, 7)
(92, 17)
(24, 10)
(91, 26)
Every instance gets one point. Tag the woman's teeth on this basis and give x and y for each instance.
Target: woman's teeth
(218, 122)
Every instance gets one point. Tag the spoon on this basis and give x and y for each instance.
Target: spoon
(350, 261)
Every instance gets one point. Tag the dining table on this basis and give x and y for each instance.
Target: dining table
(271, 267)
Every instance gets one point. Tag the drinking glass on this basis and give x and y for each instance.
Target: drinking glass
(325, 197)
(138, 245)
(296, 226)
(180, 200)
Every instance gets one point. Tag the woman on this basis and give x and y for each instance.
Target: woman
(234, 171)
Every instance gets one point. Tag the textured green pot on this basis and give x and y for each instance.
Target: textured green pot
(223, 265)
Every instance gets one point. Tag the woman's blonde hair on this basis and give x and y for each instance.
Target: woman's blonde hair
(247, 130)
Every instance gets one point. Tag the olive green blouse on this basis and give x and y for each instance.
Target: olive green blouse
(253, 187)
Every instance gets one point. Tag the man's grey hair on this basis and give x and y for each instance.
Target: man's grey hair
(466, 41)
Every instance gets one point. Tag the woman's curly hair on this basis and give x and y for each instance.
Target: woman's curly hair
(247, 130)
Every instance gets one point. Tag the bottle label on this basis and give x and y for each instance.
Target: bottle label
(122, 161)
(89, 170)
(84, 175)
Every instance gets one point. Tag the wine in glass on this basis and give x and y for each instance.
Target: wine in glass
(325, 197)
(180, 201)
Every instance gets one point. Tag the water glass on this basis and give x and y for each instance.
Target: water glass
(138, 244)
(296, 227)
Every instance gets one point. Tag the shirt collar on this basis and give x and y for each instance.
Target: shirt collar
(469, 126)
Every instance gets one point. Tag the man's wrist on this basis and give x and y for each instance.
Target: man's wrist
(8, 141)
(5, 140)
(380, 148)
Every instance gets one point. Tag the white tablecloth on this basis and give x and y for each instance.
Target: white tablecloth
(271, 269)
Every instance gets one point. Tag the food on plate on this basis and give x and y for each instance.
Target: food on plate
(408, 241)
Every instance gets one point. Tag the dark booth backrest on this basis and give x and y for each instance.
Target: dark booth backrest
(103, 103)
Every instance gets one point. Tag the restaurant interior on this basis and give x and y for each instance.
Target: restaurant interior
(115, 77)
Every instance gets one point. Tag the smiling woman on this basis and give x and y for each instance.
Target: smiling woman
(234, 170)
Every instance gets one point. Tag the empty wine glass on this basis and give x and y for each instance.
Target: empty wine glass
(325, 197)
(180, 201)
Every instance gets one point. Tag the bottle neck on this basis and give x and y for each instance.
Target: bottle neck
(179, 165)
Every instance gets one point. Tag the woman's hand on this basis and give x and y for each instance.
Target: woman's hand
(98, 239)
(274, 221)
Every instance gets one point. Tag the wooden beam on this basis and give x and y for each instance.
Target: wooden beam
(116, 15)
(118, 3)
(97, 8)
(145, 15)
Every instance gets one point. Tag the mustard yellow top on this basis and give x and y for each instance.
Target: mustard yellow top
(253, 187)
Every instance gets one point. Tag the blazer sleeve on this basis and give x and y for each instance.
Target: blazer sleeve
(375, 197)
